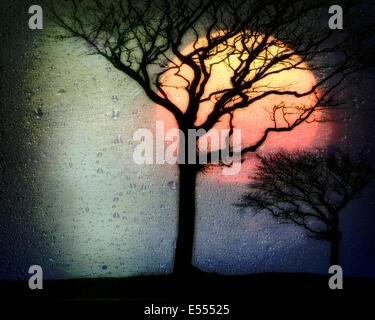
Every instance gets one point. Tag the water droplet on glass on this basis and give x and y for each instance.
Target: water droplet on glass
(172, 185)
(164, 63)
(115, 114)
(38, 111)
(118, 140)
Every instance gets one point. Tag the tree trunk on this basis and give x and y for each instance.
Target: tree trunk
(334, 254)
(186, 220)
(335, 242)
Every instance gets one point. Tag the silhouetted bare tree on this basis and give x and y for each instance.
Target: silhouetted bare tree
(145, 40)
(309, 189)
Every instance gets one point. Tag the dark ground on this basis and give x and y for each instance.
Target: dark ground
(271, 293)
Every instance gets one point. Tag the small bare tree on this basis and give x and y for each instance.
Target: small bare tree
(146, 39)
(309, 189)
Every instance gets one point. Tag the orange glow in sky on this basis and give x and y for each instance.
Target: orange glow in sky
(254, 119)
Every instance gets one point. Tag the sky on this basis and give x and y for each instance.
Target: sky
(74, 202)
